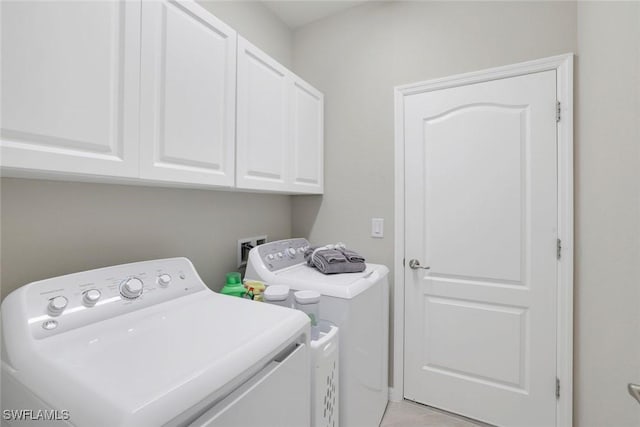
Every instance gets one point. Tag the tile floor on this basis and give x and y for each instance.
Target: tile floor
(409, 414)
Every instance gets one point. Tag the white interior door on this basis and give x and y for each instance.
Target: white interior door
(481, 212)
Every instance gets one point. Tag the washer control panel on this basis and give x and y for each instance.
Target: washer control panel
(67, 302)
(283, 253)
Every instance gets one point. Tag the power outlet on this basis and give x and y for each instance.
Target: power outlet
(246, 244)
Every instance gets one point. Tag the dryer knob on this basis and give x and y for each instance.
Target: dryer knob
(131, 288)
(291, 253)
(57, 305)
(164, 280)
(91, 297)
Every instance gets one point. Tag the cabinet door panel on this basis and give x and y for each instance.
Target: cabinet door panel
(188, 97)
(263, 120)
(307, 139)
(70, 81)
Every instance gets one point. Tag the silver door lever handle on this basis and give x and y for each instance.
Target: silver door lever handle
(415, 265)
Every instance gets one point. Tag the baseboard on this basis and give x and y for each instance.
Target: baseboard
(395, 395)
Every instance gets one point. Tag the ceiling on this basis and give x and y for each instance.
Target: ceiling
(296, 13)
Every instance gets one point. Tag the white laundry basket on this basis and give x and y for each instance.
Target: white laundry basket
(325, 375)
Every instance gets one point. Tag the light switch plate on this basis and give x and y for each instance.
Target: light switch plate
(377, 228)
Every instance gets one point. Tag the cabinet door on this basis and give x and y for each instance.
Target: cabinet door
(188, 95)
(70, 76)
(263, 120)
(307, 105)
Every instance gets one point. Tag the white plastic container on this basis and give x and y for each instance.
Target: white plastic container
(325, 377)
(309, 302)
(278, 295)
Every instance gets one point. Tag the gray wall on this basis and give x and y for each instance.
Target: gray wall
(256, 23)
(357, 57)
(50, 228)
(607, 161)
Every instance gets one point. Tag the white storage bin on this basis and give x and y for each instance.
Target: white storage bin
(278, 295)
(325, 377)
(309, 302)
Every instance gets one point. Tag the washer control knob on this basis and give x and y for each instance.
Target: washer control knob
(57, 305)
(164, 280)
(291, 253)
(131, 288)
(301, 250)
(279, 255)
(270, 257)
(91, 297)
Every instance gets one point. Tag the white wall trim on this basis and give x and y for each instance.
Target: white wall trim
(395, 395)
(563, 64)
(397, 374)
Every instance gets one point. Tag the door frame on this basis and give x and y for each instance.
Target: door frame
(563, 64)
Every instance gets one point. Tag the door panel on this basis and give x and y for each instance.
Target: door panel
(494, 334)
(481, 186)
(188, 105)
(481, 211)
(263, 120)
(307, 138)
(70, 102)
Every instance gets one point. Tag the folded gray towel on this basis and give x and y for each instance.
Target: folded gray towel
(324, 255)
(342, 267)
(351, 256)
(328, 255)
(333, 261)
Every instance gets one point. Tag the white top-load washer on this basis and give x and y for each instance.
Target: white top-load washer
(148, 344)
(358, 303)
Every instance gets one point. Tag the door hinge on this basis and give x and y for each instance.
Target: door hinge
(557, 388)
(558, 248)
(558, 109)
(403, 262)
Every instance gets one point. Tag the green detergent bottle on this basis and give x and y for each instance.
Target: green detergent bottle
(233, 285)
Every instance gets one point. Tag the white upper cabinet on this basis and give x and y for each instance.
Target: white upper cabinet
(280, 127)
(188, 95)
(263, 120)
(70, 87)
(146, 91)
(307, 117)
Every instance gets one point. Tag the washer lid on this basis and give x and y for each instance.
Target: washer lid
(148, 367)
(346, 285)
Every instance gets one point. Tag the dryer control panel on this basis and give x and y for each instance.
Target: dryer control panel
(67, 302)
(283, 253)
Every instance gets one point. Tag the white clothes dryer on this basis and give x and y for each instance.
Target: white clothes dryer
(358, 303)
(148, 344)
